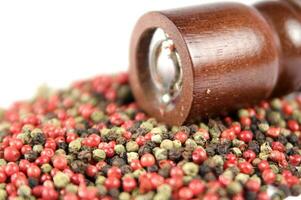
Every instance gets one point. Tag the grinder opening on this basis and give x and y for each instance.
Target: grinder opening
(165, 69)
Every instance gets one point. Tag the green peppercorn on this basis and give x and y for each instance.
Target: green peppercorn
(160, 154)
(190, 169)
(167, 144)
(75, 145)
(71, 188)
(124, 196)
(234, 188)
(3, 194)
(61, 180)
(97, 116)
(99, 154)
(100, 180)
(119, 149)
(2, 162)
(156, 138)
(24, 191)
(46, 168)
(132, 146)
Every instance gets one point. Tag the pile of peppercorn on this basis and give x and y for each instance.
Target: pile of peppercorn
(91, 141)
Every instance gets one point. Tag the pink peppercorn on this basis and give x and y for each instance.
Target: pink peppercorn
(196, 186)
(199, 155)
(128, 184)
(268, 176)
(147, 160)
(11, 154)
(273, 132)
(181, 136)
(263, 165)
(112, 183)
(246, 167)
(33, 171)
(59, 162)
(185, 193)
(114, 172)
(246, 136)
(249, 155)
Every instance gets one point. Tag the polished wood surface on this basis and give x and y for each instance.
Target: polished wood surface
(232, 55)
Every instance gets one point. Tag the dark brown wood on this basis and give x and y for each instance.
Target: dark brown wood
(232, 55)
(284, 18)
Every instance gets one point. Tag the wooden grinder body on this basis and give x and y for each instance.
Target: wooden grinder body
(232, 55)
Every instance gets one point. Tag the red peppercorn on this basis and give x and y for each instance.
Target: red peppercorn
(228, 134)
(140, 140)
(50, 143)
(45, 177)
(140, 116)
(210, 196)
(49, 194)
(287, 109)
(135, 164)
(86, 110)
(236, 128)
(268, 176)
(2, 177)
(114, 172)
(263, 165)
(11, 154)
(42, 160)
(196, 186)
(17, 143)
(245, 121)
(277, 156)
(23, 165)
(246, 167)
(33, 171)
(127, 135)
(185, 193)
(181, 136)
(59, 162)
(199, 155)
(249, 155)
(25, 149)
(47, 152)
(91, 170)
(156, 180)
(263, 196)
(295, 159)
(278, 146)
(273, 132)
(293, 125)
(112, 183)
(246, 136)
(147, 160)
(37, 191)
(70, 196)
(11, 189)
(11, 168)
(128, 184)
(71, 137)
(175, 182)
(148, 136)
(253, 185)
(292, 180)
(176, 172)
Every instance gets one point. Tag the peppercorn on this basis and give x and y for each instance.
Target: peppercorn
(60, 180)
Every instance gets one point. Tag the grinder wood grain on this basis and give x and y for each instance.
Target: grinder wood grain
(232, 55)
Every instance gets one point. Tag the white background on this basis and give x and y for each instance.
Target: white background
(56, 42)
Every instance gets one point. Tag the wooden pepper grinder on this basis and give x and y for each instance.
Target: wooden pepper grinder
(199, 61)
